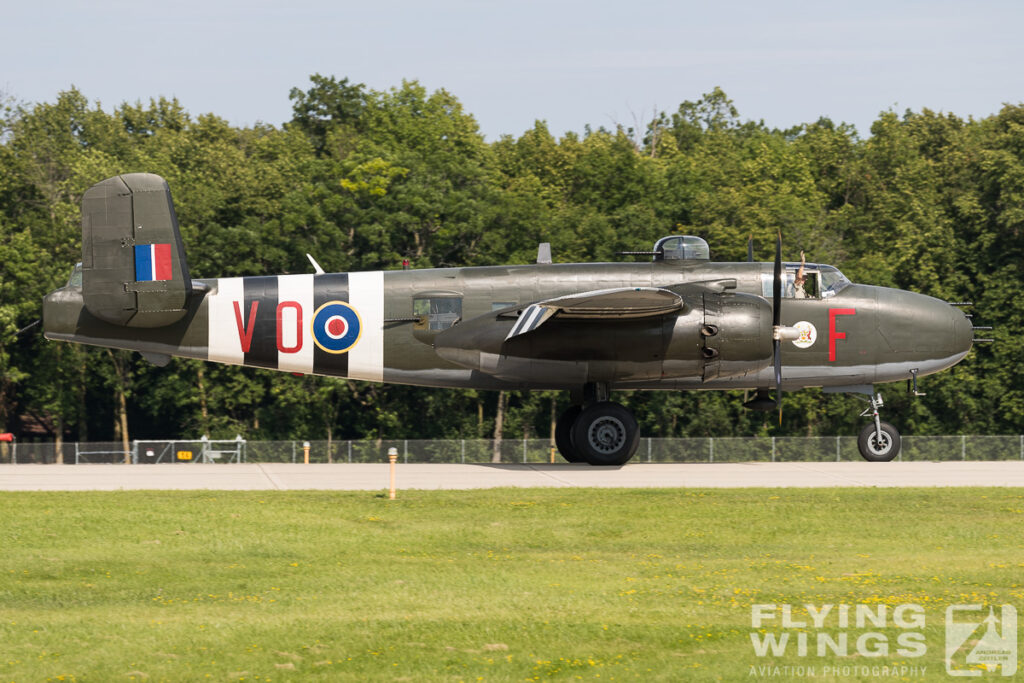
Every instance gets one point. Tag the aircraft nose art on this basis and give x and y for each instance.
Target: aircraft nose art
(328, 324)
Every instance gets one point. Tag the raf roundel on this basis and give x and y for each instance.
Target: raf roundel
(336, 327)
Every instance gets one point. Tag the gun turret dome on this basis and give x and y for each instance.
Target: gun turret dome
(681, 248)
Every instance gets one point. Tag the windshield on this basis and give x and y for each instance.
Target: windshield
(832, 281)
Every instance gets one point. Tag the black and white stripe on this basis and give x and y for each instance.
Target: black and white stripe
(532, 317)
(266, 321)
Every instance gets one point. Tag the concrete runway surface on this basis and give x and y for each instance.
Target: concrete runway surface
(369, 477)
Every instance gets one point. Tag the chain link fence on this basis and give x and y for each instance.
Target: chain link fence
(716, 449)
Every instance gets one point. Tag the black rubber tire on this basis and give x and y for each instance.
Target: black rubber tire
(874, 449)
(563, 434)
(606, 434)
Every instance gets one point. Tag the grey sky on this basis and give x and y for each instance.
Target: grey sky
(569, 62)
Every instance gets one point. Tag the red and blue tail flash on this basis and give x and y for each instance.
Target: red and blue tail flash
(152, 262)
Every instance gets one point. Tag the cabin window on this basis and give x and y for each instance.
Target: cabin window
(437, 311)
(501, 305)
(76, 276)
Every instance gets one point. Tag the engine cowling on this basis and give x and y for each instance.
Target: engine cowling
(722, 335)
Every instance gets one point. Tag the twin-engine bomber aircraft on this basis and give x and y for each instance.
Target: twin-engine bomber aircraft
(676, 322)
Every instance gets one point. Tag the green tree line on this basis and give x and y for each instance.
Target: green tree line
(364, 179)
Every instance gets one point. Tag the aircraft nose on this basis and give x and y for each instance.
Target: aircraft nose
(917, 325)
(939, 328)
(963, 331)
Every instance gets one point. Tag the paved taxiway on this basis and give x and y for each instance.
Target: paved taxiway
(369, 477)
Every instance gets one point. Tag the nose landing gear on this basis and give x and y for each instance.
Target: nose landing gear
(879, 441)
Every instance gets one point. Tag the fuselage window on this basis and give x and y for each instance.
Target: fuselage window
(439, 313)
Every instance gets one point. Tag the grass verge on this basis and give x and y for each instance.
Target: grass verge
(484, 585)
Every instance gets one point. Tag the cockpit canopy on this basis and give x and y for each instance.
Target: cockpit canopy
(681, 248)
(820, 281)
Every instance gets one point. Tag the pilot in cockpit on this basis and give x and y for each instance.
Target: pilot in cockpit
(801, 279)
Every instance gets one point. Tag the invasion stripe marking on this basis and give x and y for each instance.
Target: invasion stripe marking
(263, 347)
(294, 323)
(530, 319)
(223, 344)
(329, 287)
(366, 295)
(266, 322)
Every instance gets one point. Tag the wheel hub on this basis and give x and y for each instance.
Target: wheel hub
(880, 443)
(607, 434)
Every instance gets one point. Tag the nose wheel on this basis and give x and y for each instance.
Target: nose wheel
(603, 433)
(879, 441)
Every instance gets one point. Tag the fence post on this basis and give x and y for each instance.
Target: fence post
(773, 449)
(837, 448)
(405, 451)
(963, 447)
(524, 450)
(462, 447)
(711, 449)
(649, 448)
(350, 450)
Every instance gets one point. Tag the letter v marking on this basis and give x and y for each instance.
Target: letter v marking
(245, 335)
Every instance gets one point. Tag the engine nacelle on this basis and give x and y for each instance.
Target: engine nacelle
(729, 335)
(714, 335)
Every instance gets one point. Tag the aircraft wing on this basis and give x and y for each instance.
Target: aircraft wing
(610, 304)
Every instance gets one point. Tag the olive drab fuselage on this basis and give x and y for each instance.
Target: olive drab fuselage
(366, 326)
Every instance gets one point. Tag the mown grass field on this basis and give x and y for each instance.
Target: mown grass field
(477, 585)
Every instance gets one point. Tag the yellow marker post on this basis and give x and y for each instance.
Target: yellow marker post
(305, 452)
(553, 449)
(392, 458)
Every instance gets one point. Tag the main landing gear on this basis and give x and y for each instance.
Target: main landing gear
(878, 441)
(599, 432)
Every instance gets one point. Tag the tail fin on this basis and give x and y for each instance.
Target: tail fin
(134, 271)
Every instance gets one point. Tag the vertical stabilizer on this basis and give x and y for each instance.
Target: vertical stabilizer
(134, 271)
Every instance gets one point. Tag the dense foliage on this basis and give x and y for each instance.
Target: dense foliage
(364, 179)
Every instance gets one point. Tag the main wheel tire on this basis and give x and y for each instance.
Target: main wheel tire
(606, 434)
(881, 447)
(563, 434)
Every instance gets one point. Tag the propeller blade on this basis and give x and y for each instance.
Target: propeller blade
(777, 284)
(777, 352)
(776, 322)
